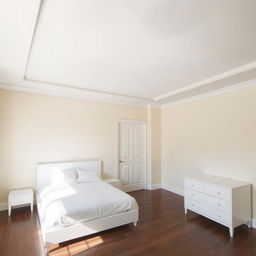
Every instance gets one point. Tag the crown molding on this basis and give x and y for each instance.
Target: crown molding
(112, 94)
(211, 93)
(86, 89)
(155, 102)
(228, 74)
(77, 94)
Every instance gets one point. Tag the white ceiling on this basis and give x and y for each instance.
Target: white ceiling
(141, 52)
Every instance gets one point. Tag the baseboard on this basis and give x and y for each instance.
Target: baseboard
(167, 187)
(155, 186)
(3, 206)
(177, 191)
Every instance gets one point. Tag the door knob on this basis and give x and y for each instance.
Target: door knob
(120, 161)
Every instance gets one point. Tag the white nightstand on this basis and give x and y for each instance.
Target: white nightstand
(20, 197)
(114, 182)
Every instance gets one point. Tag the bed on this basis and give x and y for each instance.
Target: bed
(68, 210)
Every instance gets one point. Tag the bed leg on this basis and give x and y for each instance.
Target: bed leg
(135, 223)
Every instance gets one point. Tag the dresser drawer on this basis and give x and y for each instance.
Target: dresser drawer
(195, 185)
(218, 203)
(21, 199)
(217, 192)
(219, 216)
(194, 205)
(208, 211)
(194, 195)
(208, 200)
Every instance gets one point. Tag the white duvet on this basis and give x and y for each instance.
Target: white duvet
(79, 202)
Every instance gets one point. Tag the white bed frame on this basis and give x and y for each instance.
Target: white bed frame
(58, 235)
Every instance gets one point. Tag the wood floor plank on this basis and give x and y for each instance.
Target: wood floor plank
(162, 230)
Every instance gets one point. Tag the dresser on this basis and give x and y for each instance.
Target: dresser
(225, 201)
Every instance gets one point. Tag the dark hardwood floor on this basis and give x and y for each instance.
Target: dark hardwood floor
(162, 230)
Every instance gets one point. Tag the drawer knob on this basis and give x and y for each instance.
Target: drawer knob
(192, 185)
(192, 195)
(219, 216)
(219, 204)
(192, 205)
(218, 193)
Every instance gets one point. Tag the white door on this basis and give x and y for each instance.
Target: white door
(132, 155)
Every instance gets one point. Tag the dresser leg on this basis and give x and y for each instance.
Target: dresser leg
(231, 232)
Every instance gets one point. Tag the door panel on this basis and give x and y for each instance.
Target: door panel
(132, 138)
(124, 173)
(137, 141)
(137, 171)
(125, 143)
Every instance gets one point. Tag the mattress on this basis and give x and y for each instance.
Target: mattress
(79, 202)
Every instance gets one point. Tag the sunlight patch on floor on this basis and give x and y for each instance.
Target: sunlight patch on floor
(75, 248)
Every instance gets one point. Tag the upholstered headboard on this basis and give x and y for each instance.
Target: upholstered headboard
(45, 170)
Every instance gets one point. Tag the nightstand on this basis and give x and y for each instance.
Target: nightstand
(20, 197)
(114, 182)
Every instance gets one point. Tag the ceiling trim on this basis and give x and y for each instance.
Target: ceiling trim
(75, 94)
(85, 89)
(78, 94)
(211, 93)
(228, 74)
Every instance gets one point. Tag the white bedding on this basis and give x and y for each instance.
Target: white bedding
(77, 202)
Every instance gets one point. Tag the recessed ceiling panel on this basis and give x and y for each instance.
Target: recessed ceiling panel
(140, 48)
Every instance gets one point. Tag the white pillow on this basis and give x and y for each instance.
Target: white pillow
(61, 178)
(88, 176)
(70, 175)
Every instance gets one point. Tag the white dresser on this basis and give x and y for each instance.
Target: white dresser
(225, 201)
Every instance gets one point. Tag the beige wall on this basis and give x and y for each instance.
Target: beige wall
(216, 135)
(39, 128)
(156, 145)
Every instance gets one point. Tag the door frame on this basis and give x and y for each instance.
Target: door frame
(117, 150)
